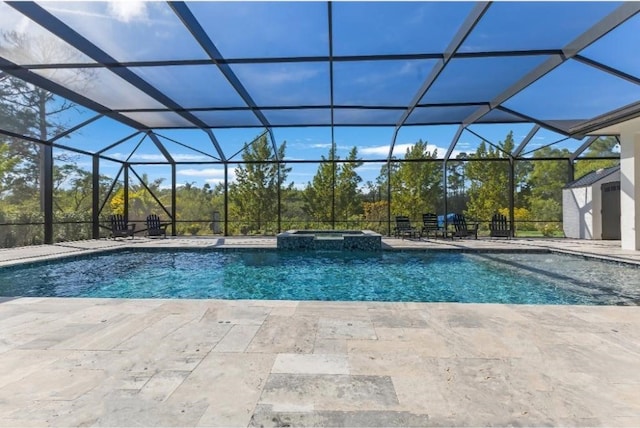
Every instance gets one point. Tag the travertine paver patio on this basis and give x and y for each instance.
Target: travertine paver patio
(153, 362)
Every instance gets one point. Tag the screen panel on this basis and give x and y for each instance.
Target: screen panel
(368, 28)
(192, 86)
(119, 27)
(25, 42)
(379, 83)
(286, 84)
(265, 29)
(618, 48)
(574, 91)
(479, 79)
(511, 26)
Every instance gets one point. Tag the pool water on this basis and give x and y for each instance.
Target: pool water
(521, 278)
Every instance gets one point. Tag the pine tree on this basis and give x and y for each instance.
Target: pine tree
(254, 195)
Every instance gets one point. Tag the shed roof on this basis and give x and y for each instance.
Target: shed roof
(593, 177)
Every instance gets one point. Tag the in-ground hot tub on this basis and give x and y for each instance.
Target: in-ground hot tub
(362, 240)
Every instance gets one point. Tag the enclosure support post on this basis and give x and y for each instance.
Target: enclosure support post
(512, 190)
(226, 199)
(388, 197)
(630, 186)
(173, 200)
(126, 191)
(572, 171)
(279, 198)
(47, 191)
(333, 192)
(95, 202)
(444, 190)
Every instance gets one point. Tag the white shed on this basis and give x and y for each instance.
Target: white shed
(591, 205)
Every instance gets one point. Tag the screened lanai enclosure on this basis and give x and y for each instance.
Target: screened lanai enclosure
(251, 118)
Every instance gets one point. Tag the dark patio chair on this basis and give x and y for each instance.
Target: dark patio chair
(155, 227)
(462, 229)
(499, 227)
(120, 227)
(404, 229)
(430, 226)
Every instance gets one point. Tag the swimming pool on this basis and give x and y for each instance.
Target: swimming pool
(521, 278)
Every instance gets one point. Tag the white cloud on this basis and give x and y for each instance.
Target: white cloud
(214, 181)
(127, 11)
(120, 10)
(400, 150)
(369, 167)
(375, 150)
(207, 172)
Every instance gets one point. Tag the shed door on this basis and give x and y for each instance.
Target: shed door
(611, 210)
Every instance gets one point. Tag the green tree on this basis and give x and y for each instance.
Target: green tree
(318, 194)
(194, 208)
(489, 180)
(254, 195)
(416, 187)
(457, 197)
(334, 190)
(546, 181)
(348, 196)
(8, 162)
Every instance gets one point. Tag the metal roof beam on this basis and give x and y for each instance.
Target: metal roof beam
(122, 140)
(249, 145)
(454, 141)
(216, 144)
(48, 85)
(275, 60)
(608, 69)
(42, 17)
(526, 140)
(145, 135)
(193, 26)
(161, 147)
(547, 145)
(608, 23)
(465, 29)
(495, 146)
(75, 128)
(187, 146)
(533, 120)
(582, 148)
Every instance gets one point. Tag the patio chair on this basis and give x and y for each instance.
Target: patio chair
(403, 228)
(499, 227)
(430, 225)
(462, 229)
(155, 227)
(120, 227)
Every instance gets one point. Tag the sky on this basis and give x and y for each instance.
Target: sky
(266, 29)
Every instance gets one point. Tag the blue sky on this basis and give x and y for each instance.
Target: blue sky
(266, 29)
